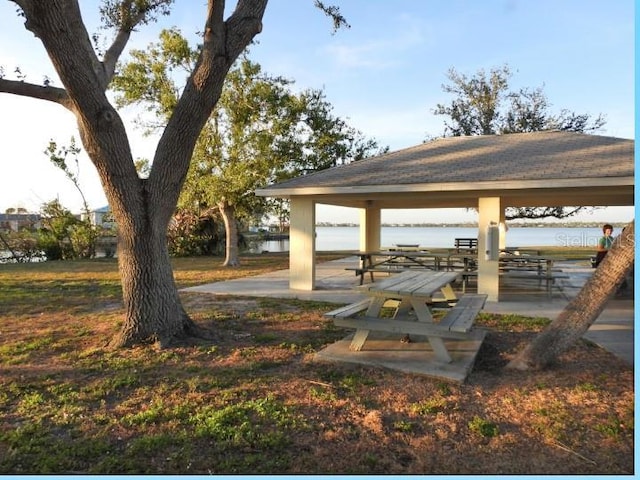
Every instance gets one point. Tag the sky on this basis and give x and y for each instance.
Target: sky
(384, 75)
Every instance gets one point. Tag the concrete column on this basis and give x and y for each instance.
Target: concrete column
(370, 228)
(302, 244)
(489, 209)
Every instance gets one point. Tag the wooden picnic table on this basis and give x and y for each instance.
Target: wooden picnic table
(392, 261)
(532, 267)
(543, 265)
(413, 291)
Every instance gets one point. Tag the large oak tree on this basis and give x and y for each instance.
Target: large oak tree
(141, 207)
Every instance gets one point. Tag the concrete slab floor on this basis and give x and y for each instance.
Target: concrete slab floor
(386, 350)
(613, 330)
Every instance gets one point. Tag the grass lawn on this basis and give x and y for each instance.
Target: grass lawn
(255, 401)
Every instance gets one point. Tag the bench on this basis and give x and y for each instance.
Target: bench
(349, 310)
(462, 315)
(466, 244)
(361, 271)
(550, 280)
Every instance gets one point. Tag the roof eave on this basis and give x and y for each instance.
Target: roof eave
(595, 182)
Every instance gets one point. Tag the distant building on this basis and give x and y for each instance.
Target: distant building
(18, 221)
(101, 217)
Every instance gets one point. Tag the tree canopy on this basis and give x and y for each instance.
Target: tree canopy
(260, 131)
(483, 104)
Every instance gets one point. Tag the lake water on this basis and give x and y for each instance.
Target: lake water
(347, 238)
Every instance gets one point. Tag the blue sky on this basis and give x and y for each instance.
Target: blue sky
(384, 75)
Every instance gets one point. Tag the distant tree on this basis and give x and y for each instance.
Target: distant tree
(483, 105)
(22, 245)
(85, 232)
(192, 234)
(475, 110)
(143, 167)
(259, 132)
(62, 236)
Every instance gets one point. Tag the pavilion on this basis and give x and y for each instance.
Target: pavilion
(488, 173)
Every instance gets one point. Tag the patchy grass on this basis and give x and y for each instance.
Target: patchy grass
(257, 402)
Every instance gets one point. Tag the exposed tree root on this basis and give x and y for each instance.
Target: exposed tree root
(188, 332)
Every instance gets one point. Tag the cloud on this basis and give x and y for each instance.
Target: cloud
(396, 127)
(381, 53)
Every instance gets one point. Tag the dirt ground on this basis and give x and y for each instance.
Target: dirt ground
(575, 418)
(256, 401)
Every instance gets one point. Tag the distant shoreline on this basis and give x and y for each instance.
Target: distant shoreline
(616, 225)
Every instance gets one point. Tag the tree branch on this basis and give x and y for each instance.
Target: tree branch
(223, 42)
(122, 37)
(113, 54)
(41, 92)
(58, 24)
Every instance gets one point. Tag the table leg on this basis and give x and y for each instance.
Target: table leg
(437, 344)
(449, 294)
(361, 335)
(423, 314)
(370, 265)
(441, 352)
(358, 340)
(403, 308)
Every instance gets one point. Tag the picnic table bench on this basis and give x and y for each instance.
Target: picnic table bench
(550, 280)
(412, 292)
(466, 244)
(532, 267)
(456, 322)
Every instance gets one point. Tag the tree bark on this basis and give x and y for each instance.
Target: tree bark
(232, 251)
(141, 208)
(154, 312)
(583, 310)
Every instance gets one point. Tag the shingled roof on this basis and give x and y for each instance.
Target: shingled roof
(523, 169)
(546, 155)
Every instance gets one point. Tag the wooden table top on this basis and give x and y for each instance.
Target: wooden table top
(421, 283)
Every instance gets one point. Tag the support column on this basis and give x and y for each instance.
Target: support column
(489, 209)
(370, 228)
(302, 244)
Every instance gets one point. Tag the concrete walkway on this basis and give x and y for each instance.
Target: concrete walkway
(613, 330)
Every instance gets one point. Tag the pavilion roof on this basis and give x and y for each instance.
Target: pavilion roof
(545, 155)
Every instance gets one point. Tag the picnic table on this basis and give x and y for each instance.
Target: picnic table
(392, 261)
(532, 267)
(412, 292)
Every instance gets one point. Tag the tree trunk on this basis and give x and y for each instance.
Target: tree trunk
(583, 310)
(142, 208)
(232, 251)
(154, 312)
